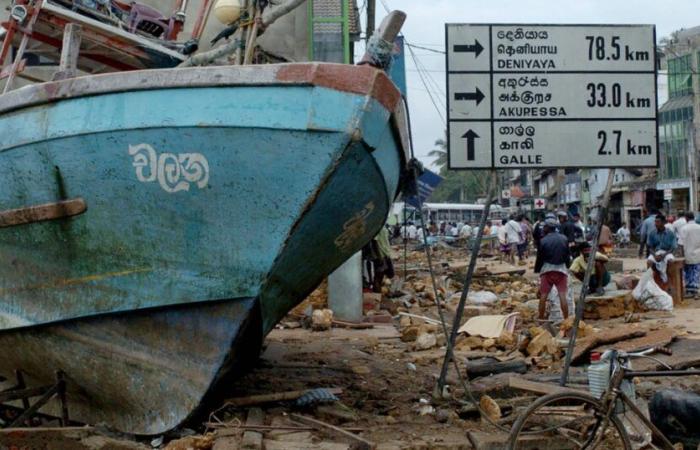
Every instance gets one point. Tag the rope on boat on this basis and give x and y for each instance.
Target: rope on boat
(379, 52)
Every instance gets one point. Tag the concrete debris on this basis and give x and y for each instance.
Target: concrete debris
(387, 364)
(425, 341)
(490, 408)
(322, 319)
(205, 442)
(543, 343)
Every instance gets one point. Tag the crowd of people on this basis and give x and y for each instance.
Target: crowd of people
(564, 247)
(458, 230)
(660, 239)
(562, 243)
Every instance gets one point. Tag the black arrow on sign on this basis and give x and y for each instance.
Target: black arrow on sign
(477, 96)
(476, 48)
(470, 135)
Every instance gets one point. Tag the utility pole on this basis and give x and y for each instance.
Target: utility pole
(371, 8)
(693, 166)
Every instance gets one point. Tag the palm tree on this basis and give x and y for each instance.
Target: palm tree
(440, 155)
(457, 186)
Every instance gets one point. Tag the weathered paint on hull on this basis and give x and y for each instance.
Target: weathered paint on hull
(145, 277)
(143, 372)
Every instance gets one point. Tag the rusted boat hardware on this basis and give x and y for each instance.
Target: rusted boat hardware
(13, 416)
(40, 213)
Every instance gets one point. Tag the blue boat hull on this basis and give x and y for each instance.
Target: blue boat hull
(211, 211)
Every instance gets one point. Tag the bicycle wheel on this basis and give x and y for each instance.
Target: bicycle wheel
(567, 421)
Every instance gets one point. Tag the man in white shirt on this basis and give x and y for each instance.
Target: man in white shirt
(465, 232)
(411, 231)
(623, 235)
(678, 225)
(579, 223)
(420, 235)
(690, 234)
(513, 233)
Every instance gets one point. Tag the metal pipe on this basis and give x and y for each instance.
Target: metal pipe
(202, 17)
(602, 208)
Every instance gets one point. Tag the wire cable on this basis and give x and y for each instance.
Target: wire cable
(430, 93)
(442, 52)
(438, 295)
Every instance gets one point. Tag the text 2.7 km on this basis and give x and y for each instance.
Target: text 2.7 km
(599, 49)
(616, 145)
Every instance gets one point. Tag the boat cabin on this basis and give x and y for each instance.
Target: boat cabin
(120, 35)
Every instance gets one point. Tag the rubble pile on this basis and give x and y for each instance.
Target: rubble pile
(324, 383)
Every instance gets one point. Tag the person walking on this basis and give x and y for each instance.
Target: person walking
(552, 260)
(678, 226)
(605, 240)
(570, 230)
(690, 233)
(513, 232)
(623, 235)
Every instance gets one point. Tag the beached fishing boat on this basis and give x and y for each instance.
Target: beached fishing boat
(155, 225)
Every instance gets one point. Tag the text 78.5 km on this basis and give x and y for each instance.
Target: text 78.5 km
(599, 50)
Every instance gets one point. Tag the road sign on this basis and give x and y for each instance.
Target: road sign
(668, 194)
(545, 96)
(505, 193)
(540, 203)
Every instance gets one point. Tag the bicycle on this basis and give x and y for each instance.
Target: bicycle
(578, 420)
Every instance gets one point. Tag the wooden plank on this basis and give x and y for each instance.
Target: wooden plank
(610, 336)
(40, 213)
(675, 280)
(70, 51)
(537, 387)
(253, 440)
(323, 426)
(655, 338)
(276, 397)
(8, 70)
(482, 440)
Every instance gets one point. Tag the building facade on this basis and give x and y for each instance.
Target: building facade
(678, 122)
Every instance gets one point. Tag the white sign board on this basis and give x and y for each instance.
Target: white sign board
(545, 96)
(668, 194)
(540, 203)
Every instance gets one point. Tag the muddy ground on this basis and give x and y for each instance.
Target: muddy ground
(388, 375)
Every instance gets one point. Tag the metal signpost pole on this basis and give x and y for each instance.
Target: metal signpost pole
(468, 279)
(602, 210)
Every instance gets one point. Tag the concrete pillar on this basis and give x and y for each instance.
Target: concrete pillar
(345, 290)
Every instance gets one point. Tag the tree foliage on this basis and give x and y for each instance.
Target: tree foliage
(458, 186)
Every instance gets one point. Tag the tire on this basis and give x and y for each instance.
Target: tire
(521, 427)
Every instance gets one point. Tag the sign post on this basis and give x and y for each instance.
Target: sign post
(551, 96)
